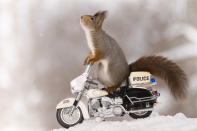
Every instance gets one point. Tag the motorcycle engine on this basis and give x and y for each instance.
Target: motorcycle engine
(95, 103)
(106, 107)
(106, 102)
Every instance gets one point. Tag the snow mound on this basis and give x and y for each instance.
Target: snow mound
(155, 122)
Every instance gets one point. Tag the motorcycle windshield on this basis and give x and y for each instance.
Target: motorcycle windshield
(77, 84)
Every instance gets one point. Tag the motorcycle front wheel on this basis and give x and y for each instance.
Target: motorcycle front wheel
(66, 120)
(141, 114)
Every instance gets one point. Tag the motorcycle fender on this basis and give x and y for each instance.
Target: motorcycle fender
(68, 102)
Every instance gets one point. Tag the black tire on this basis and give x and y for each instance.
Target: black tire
(66, 125)
(137, 116)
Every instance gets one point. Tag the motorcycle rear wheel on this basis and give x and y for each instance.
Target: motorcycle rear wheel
(65, 120)
(138, 115)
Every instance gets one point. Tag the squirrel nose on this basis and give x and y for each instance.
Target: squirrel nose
(81, 17)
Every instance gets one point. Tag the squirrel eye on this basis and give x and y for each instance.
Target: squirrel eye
(92, 18)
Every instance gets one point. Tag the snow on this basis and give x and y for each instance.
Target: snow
(155, 122)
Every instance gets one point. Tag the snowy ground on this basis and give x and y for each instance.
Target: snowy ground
(178, 122)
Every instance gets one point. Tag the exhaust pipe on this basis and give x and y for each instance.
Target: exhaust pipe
(147, 109)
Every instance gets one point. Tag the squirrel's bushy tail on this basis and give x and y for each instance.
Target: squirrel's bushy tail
(165, 69)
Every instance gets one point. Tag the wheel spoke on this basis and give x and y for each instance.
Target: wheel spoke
(70, 119)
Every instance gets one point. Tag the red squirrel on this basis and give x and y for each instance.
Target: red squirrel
(113, 67)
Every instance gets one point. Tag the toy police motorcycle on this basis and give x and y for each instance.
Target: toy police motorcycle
(135, 98)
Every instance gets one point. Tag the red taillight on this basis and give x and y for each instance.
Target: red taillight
(155, 92)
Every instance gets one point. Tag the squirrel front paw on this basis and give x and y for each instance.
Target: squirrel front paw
(88, 60)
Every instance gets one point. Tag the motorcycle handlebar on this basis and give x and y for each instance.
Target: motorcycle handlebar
(87, 70)
(91, 82)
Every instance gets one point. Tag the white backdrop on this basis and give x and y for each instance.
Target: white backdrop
(42, 48)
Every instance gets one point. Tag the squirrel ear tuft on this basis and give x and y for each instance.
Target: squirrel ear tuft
(97, 13)
(100, 16)
(101, 13)
(104, 14)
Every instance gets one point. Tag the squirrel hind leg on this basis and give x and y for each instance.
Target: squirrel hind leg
(111, 89)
